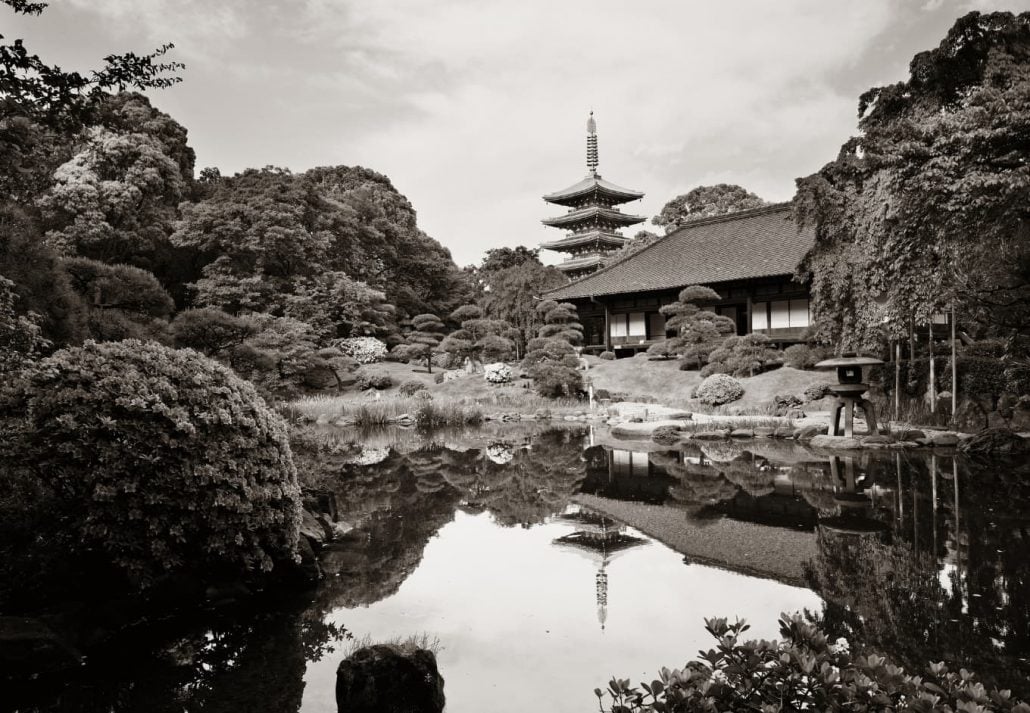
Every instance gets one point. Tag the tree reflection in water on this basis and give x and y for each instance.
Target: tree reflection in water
(902, 570)
(939, 582)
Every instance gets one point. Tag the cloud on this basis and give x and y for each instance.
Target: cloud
(476, 109)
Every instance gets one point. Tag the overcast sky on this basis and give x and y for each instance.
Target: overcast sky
(476, 108)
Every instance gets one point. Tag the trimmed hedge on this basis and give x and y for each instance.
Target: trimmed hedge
(168, 459)
(719, 389)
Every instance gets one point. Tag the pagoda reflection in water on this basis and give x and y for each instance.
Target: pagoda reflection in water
(601, 539)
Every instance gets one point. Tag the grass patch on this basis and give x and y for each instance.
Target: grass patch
(406, 643)
(441, 411)
(735, 421)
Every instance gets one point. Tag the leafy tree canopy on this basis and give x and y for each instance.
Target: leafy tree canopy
(928, 207)
(705, 202)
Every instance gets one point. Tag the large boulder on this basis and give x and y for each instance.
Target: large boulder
(389, 679)
(996, 442)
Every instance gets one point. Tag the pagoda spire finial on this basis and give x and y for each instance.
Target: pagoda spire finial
(592, 144)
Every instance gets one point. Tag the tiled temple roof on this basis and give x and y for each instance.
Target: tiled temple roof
(755, 243)
(609, 215)
(578, 239)
(589, 185)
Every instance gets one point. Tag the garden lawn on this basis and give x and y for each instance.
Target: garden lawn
(662, 381)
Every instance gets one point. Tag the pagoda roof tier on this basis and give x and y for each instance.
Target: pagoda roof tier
(582, 215)
(579, 239)
(591, 185)
(579, 263)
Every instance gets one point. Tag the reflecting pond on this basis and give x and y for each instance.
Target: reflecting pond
(541, 562)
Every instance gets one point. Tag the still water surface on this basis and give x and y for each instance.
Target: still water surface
(545, 562)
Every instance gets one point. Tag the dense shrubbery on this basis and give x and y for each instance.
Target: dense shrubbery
(608, 356)
(719, 389)
(409, 388)
(814, 392)
(552, 361)
(168, 460)
(804, 356)
(979, 378)
(364, 350)
(803, 671)
(374, 380)
(746, 355)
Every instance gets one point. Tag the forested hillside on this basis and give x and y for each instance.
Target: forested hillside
(107, 235)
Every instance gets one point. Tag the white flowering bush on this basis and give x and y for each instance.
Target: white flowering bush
(364, 350)
(719, 389)
(498, 373)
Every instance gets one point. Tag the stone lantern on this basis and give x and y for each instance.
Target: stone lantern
(848, 392)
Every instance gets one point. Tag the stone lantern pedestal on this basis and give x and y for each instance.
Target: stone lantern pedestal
(849, 392)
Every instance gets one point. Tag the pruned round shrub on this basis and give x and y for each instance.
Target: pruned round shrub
(410, 388)
(364, 350)
(606, 355)
(374, 380)
(662, 350)
(168, 460)
(555, 380)
(719, 389)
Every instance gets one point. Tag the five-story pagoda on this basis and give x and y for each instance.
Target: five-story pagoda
(593, 220)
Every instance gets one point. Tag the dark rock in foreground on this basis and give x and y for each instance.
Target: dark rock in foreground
(389, 679)
(30, 646)
(996, 442)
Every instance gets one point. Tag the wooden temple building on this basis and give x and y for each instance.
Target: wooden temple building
(748, 257)
(593, 221)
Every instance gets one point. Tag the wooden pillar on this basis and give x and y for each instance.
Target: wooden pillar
(747, 308)
(607, 327)
(954, 368)
(933, 376)
(897, 380)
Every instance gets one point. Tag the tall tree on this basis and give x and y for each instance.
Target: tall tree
(705, 202)
(929, 206)
(638, 242)
(512, 295)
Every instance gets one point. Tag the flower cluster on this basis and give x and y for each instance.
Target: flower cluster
(498, 373)
(364, 350)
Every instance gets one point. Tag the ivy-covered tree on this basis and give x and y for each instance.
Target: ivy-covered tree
(705, 202)
(929, 207)
(698, 330)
